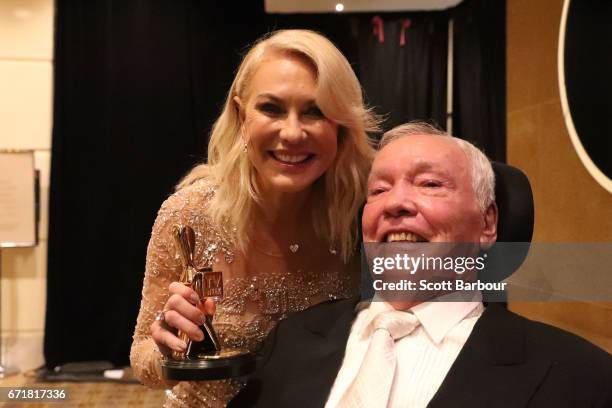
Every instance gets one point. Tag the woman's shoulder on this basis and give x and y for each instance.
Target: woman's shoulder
(187, 205)
(195, 195)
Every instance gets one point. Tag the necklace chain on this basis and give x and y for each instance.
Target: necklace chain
(293, 248)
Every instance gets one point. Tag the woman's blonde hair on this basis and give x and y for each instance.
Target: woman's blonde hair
(340, 192)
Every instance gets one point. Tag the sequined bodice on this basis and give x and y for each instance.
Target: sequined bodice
(252, 302)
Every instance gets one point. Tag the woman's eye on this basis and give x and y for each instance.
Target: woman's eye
(270, 108)
(315, 112)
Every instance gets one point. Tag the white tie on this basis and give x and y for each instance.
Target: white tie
(372, 385)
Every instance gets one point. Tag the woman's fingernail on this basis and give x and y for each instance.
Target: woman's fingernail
(182, 345)
(194, 298)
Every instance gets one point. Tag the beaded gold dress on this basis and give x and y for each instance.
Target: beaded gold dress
(254, 298)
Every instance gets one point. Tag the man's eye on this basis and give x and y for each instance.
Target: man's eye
(315, 112)
(431, 184)
(376, 191)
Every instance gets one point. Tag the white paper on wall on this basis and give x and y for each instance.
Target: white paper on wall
(17, 199)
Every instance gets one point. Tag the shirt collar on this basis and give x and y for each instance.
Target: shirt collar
(437, 318)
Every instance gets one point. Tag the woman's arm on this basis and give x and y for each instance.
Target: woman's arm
(162, 268)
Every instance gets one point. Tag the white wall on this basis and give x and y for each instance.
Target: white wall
(26, 81)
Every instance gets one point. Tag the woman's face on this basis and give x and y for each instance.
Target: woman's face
(290, 142)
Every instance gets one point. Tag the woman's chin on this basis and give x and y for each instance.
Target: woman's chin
(290, 185)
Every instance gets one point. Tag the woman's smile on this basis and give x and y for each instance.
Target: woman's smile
(291, 158)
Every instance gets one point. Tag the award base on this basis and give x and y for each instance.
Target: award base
(227, 363)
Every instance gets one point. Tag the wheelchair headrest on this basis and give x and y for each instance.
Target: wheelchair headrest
(514, 200)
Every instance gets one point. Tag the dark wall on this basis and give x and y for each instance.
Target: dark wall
(588, 64)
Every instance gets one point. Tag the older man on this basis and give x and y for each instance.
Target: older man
(426, 186)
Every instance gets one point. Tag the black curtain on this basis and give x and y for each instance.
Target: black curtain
(403, 70)
(407, 80)
(479, 91)
(138, 85)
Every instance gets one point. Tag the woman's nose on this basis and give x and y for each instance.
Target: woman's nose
(292, 130)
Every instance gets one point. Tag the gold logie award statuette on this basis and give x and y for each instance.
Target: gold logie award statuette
(206, 359)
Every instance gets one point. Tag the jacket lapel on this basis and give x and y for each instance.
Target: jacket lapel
(303, 354)
(492, 369)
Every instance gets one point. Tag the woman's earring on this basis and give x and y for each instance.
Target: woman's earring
(245, 148)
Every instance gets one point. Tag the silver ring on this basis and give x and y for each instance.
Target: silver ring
(160, 317)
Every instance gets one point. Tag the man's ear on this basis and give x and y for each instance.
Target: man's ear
(489, 232)
(239, 106)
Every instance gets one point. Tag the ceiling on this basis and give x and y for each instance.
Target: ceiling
(355, 6)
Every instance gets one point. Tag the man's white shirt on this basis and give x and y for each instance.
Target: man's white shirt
(423, 358)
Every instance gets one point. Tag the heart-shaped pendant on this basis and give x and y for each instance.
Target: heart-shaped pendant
(294, 248)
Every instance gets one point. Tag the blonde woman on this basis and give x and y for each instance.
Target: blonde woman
(275, 208)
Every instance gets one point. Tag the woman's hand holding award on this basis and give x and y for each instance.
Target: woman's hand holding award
(205, 359)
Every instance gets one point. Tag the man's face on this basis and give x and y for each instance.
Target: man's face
(420, 190)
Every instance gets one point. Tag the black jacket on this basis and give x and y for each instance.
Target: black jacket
(507, 361)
